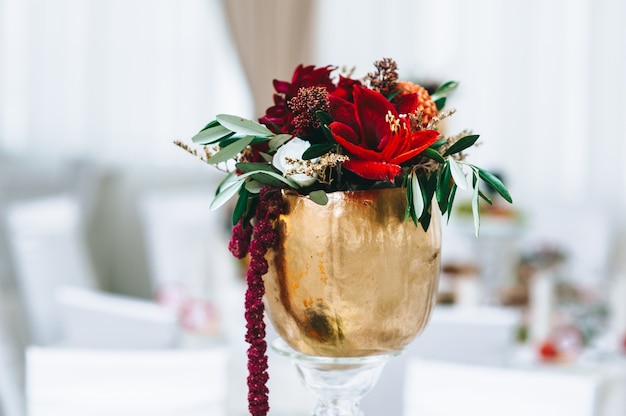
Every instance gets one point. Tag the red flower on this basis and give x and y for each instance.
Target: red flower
(279, 116)
(377, 138)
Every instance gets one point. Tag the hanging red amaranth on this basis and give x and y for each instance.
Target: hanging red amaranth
(269, 207)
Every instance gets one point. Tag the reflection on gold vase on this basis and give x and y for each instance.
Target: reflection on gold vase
(352, 278)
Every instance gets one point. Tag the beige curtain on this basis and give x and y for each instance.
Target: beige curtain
(272, 38)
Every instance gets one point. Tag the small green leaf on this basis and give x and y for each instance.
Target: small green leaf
(226, 192)
(323, 117)
(434, 155)
(443, 188)
(440, 103)
(231, 150)
(495, 183)
(393, 94)
(451, 200)
(476, 210)
(317, 150)
(457, 173)
(418, 198)
(254, 187)
(260, 173)
(485, 197)
(328, 134)
(278, 140)
(212, 123)
(266, 180)
(211, 135)
(243, 126)
(439, 143)
(444, 90)
(246, 167)
(319, 197)
(462, 144)
(241, 206)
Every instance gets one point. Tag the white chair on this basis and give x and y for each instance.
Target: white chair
(436, 388)
(186, 242)
(79, 382)
(48, 251)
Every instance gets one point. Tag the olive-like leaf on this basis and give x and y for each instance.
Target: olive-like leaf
(241, 206)
(323, 117)
(210, 124)
(443, 188)
(451, 200)
(444, 90)
(440, 103)
(243, 126)
(476, 210)
(461, 144)
(495, 183)
(319, 197)
(254, 187)
(317, 150)
(278, 140)
(246, 167)
(211, 135)
(226, 192)
(457, 173)
(485, 197)
(231, 150)
(433, 154)
(438, 143)
(418, 198)
(259, 173)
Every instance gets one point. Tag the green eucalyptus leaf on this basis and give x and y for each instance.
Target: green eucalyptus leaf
(495, 183)
(211, 135)
(457, 173)
(231, 150)
(226, 192)
(319, 197)
(243, 126)
(278, 140)
(241, 206)
(462, 144)
(317, 150)
(434, 155)
(418, 198)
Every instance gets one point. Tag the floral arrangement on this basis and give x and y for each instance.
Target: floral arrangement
(325, 133)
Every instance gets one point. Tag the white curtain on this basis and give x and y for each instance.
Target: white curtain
(114, 80)
(541, 81)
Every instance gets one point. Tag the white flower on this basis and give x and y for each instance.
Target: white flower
(295, 167)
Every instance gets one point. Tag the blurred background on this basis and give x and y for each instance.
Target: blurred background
(107, 243)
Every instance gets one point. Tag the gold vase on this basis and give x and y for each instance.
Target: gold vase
(352, 278)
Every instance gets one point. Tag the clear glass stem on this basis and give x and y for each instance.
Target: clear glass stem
(339, 383)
